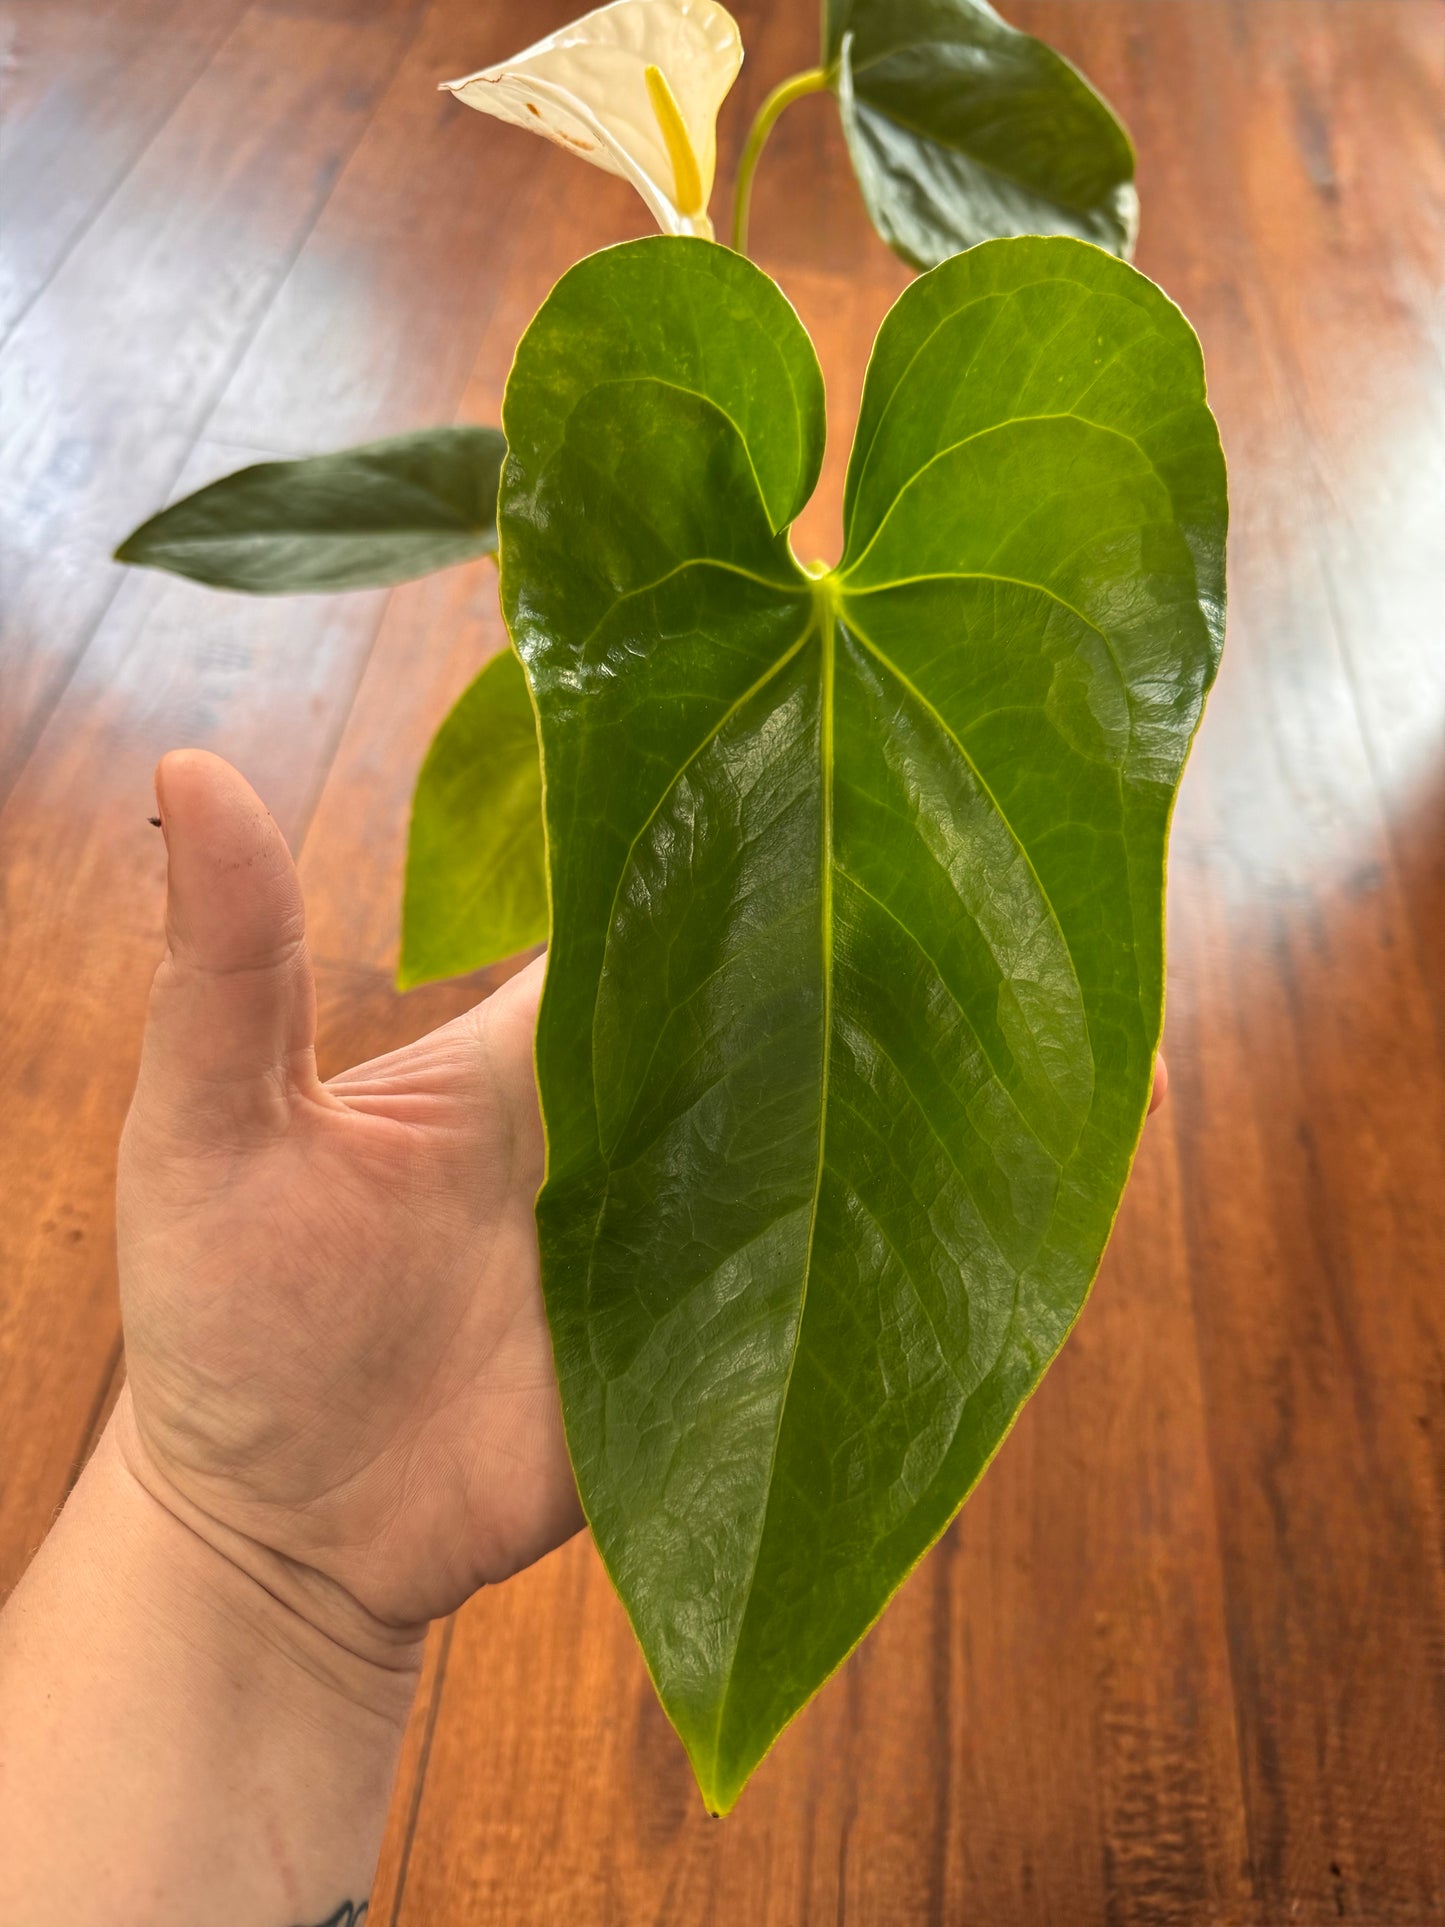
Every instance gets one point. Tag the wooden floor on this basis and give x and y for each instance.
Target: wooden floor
(1183, 1657)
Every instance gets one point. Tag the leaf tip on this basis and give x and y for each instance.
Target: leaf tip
(718, 1799)
(720, 1785)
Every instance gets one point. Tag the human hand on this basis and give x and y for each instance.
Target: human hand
(338, 1363)
(337, 1354)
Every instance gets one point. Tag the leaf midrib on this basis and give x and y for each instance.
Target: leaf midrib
(828, 613)
(825, 619)
(247, 539)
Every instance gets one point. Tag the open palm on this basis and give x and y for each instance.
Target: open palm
(334, 1333)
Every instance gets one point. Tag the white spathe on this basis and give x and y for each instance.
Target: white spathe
(585, 87)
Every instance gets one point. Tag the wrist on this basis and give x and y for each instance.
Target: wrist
(294, 1631)
(179, 1737)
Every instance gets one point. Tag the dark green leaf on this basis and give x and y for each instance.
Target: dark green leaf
(961, 129)
(856, 974)
(362, 519)
(476, 868)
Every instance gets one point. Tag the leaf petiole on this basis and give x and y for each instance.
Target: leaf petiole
(814, 81)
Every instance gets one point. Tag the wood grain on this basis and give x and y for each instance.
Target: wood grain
(84, 90)
(384, 302)
(1182, 1658)
(108, 379)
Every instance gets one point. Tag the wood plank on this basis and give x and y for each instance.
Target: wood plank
(1314, 1263)
(386, 301)
(1361, 356)
(105, 383)
(361, 12)
(1302, 1021)
(1095, 1770)
(85, 89)
(1317, 1254)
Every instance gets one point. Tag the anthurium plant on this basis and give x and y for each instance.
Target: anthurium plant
(851, 875)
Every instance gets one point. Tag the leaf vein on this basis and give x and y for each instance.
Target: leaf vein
(948, 989)
(996, 428)
(957, 741)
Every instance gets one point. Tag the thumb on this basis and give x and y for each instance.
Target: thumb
(231, 1031)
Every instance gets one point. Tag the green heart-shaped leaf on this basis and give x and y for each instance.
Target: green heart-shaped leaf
(961, 128)
(856, 974)
(362, 519)
(476, 870)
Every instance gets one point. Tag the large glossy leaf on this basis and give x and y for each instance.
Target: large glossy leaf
(856, 973)
(476, 874)
(362, 519)
(961, 128)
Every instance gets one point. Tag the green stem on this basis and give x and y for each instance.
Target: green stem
(783, 95)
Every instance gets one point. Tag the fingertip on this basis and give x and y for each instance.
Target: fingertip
(1161, 1085)
(185, 778)
(233, 1001)
(208, 799)
(233, 895)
